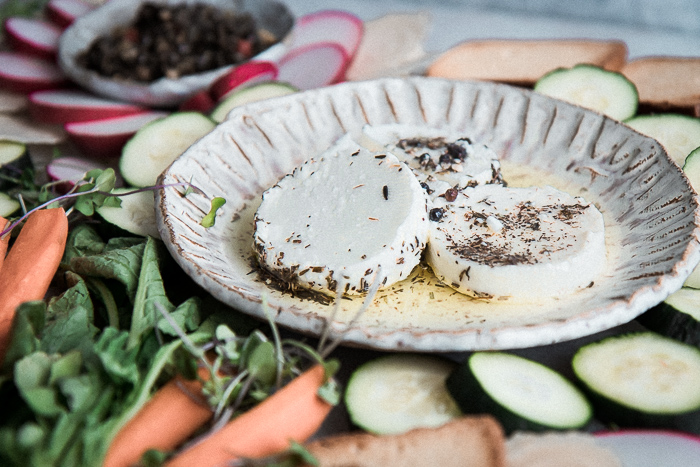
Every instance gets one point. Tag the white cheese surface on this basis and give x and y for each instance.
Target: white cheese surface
(440, 158)
(349, 214)
(521, 243)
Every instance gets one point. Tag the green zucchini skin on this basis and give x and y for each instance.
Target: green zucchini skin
(248, 94)
(604, 91)
(671, 322)
(618, 414)
(612, 410)
(473, 398)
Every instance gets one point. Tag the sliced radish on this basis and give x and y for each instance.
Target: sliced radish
(23, 73)
(71, 169)
(64, 106)
(314, 65)
(339, 27)
(106, 137)
(33, 36)
(245, 74)
(199, 102)
(63, 12)
(657, 448)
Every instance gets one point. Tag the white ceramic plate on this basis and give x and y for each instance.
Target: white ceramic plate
(164, 92)
(650, 211)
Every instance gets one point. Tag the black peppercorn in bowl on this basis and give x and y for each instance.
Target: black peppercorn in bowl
(157, 53)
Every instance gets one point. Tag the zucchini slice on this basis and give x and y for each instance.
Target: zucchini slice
(14, 158)
(678, 134)
(677, 317)
(253, 93)
(693, 280)
(691, 168)
(643, 380)
(156, 145)
(398, 392)
(136, 215)
(11, 152)
(522, 394)
(8, 206)
(592, 87)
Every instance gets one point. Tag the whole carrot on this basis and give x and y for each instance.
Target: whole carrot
(171, 416)
(294, 412)
(30, 265)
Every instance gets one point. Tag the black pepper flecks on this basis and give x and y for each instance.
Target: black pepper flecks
(436, 214)
(385, 192)
(523, 225)
(450, 156)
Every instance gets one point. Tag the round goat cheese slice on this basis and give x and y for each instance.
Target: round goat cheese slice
(349, 215)
(519, 243)
(440, 158)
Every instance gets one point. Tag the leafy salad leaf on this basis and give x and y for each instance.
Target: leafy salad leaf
(76, 380)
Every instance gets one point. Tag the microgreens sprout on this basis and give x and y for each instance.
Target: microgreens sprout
(93, 191)
(371, 293)
(210, 218)
(245, 369)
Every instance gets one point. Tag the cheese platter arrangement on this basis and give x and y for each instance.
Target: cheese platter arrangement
(295, 237)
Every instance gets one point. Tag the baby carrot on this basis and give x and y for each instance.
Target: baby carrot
(30, 265)
(171, 416)
(294, 412)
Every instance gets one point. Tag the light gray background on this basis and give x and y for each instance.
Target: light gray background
(650, 27)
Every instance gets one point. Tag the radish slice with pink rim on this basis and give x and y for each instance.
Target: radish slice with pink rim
(314, 66)
(63, 12)
(107, 137)
(652, 448)
(198, 102)
(33, 37)
(71, 169)
(63, 106)
(24, 73)
(336, 26)
(243, 75)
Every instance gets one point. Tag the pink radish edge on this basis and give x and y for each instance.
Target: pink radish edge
(314, 65)
(246, 73)
(71, 169)
(338, 26)
(33, 36)
(106, 137)
(24, 74)
(63, 12)
(198, 102)
(63, 106)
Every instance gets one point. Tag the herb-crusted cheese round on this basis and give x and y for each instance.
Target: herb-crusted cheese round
(440, 158)
(349, 214)
(522, 243)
